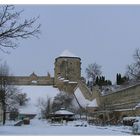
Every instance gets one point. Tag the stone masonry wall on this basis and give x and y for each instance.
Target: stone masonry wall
(124, 98)
(68, 68)
(32, 80)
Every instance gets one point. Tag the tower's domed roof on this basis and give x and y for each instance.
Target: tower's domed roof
(67, 53)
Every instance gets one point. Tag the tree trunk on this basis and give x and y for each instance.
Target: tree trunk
(4, 113)
(4, 107)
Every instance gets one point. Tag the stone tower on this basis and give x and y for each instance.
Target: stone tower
(67, 69)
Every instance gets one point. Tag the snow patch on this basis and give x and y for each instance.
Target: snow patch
(65, 80)
(66, 53)
(138, 105)
(73, 82)
(34, 82)
(93, 103)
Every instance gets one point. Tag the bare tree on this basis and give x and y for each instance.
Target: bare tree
(12, 28)
(62, 100)
(7, 91)
(44, 105)
(133, 70)
(92, 71)
(21, 98)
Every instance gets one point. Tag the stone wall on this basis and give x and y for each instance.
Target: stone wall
(67, 75)
(33, 79)
(126, 98)
(67, 72)
(122, 102)
(67, 68)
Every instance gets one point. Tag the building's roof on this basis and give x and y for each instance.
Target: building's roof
(33, 75)
(67, 53)
(63, 112)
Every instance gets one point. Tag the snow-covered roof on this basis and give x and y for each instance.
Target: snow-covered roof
(29, 109)
(64, 112)
(67, 53)
(84, 102)
(35, 93)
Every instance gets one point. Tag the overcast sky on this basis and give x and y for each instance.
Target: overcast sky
(107, 35)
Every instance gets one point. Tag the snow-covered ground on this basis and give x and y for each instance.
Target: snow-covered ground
(43, 128)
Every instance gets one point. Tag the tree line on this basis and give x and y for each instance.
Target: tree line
(95, 77)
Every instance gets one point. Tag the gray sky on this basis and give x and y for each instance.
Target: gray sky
(107, 35)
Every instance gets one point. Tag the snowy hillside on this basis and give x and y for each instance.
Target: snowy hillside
(34, 93)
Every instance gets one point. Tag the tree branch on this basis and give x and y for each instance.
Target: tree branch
(11, 29)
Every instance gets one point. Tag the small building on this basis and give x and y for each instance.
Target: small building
(62, 115)
(21, 116)
(27, 112)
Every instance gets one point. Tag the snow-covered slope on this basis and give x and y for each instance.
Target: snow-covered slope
(82, 101)
(34, 93)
